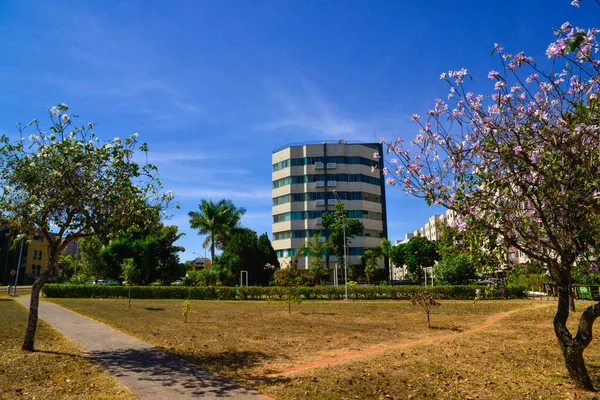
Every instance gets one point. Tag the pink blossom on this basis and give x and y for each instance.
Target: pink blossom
(493, 74)
(518, 149)
(376, 155)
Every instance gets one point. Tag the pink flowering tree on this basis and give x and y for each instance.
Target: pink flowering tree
(521, 164)
(65, 184)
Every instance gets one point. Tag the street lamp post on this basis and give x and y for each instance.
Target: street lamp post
(345, 257)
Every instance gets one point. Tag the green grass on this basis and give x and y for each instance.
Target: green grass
(57, 369)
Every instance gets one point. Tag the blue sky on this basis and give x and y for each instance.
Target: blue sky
(215, 86)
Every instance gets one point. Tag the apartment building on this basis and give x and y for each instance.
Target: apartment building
(432, 230)
(304, 179)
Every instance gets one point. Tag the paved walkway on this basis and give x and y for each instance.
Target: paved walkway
(150, 373)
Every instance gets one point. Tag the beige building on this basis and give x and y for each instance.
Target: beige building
(304, 179)
(432, 230)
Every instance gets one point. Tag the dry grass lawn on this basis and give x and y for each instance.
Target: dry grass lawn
(57, 370)
(515, 357)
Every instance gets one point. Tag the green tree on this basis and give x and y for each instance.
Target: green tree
(91, 262)
(202, 277)
(315, 250)
(371, 268)
(217, 220)
(419, 253)
(152, 249)
(455, 270)
(454, 243)
(386, 251)
(340, 226)
(268, 259)
(167, 257)
(68, 264)
(65, 184)
(249, 252)
(398, 255)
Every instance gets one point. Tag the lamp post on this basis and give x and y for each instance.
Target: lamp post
(344, 233)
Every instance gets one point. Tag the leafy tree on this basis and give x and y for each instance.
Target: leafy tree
(356, 272)
(455, 270)
(454, 243)
(521, 164)
(386, 251)
(167, 257)
(340, 225)
(152, 249)
(246, 251)
(371, 268)
(268, 258)
(131, 274)
(419, 253)
(202, 277)
(66, 184)
(92, 263)
(217, 220)
(398, 255)
(315, 250)
(68, 264)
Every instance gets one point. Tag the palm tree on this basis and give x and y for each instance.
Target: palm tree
(217, 220)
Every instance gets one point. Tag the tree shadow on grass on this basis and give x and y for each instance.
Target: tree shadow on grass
(154, 309)
(230, 360)
(179, 375)
(5, 299)
(316, 313)
(61, 353)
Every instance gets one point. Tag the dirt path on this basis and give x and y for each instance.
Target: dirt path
(379, 349)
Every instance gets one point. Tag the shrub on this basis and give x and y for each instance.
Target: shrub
(463, 292)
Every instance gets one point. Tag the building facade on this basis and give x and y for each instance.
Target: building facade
(304, 180)
(432, 230)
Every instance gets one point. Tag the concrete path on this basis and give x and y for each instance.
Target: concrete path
(150, 373)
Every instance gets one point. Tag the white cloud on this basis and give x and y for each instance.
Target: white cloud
(309, 110)
(238, 192)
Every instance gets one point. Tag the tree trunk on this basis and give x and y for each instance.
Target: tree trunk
(573, 347)
(39, 283)
(212, 249)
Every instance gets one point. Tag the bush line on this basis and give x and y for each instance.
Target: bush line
(462, 292)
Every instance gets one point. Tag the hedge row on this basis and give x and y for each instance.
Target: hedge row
(276, 293)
